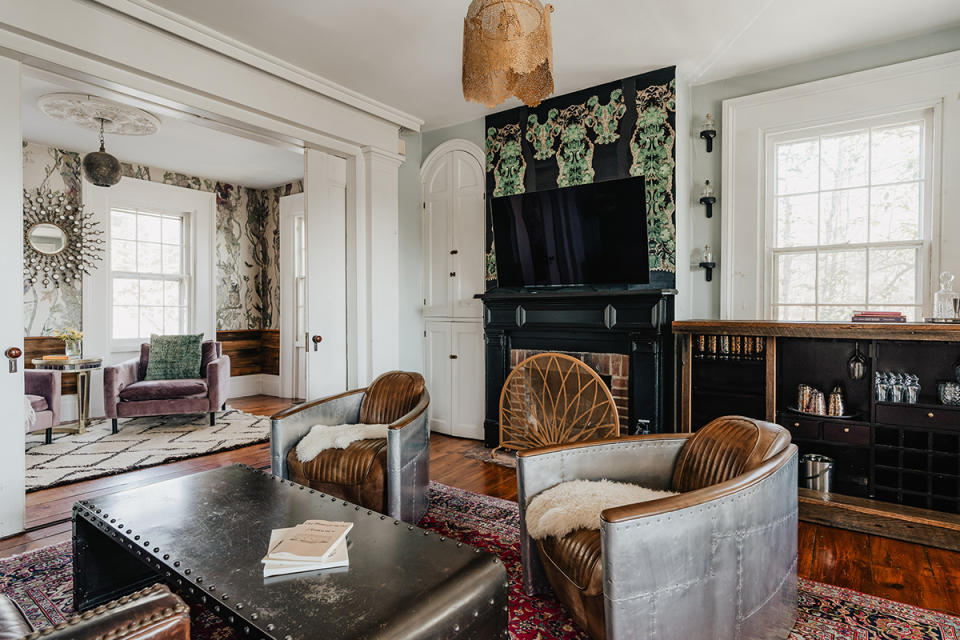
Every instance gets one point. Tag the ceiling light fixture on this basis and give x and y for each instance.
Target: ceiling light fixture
(507, 50)
(101, 168)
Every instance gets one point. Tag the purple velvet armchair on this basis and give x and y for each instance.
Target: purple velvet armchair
(127, 395)
(42, 388)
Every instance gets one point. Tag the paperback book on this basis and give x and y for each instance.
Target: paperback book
(315, 544)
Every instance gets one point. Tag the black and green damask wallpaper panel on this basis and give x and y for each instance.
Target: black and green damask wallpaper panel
(615, 130)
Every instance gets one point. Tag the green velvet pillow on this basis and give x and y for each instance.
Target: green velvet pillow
(174, 357)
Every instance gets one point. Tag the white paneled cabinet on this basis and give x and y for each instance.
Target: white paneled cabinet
(454, 374)
(454, 270)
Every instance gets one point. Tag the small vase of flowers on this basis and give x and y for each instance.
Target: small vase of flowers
(72, 338)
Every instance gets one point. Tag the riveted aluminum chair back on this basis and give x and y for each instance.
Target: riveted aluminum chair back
(553, 398)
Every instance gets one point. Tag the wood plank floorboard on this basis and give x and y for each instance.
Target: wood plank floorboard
(910, 573)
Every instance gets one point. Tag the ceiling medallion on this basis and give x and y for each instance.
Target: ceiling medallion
(507, 50)
(104, 116)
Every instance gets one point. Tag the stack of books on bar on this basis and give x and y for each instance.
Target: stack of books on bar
(878, 316)
(315, 544)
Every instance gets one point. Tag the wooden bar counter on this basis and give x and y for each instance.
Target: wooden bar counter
(889, 453)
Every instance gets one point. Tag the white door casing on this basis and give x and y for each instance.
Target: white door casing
(325, 197)
(292, 338)
(11, 291)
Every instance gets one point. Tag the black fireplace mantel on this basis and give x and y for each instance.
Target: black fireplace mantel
(635, 322)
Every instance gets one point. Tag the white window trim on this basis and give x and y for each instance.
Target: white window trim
(928, 83)
(97, 297)
(925, 242)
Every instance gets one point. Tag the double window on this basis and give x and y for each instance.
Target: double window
(149, 254)
(849, 222)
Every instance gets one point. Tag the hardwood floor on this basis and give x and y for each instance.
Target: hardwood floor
(910, 573)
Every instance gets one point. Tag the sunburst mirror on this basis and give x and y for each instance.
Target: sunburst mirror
(61, 242)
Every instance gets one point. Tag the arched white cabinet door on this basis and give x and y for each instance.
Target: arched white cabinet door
(453, 235)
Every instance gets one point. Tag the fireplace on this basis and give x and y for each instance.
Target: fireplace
(624, 335)
(613, 369)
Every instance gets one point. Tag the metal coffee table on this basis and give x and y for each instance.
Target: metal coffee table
(205, 534)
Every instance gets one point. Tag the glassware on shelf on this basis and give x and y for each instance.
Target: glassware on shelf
(897, 387)
(944, 306)
(836, 406)
(911, 391)
(949, 393)
(882, 387)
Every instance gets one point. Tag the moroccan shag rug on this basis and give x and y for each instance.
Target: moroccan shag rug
(141, 442)
(40, 584)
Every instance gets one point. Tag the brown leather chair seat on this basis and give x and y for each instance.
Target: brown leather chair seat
(358, 473)
(720, 451)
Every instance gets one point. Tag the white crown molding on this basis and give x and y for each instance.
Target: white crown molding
(175, 24)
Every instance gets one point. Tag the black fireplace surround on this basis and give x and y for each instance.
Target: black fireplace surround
(635, 322)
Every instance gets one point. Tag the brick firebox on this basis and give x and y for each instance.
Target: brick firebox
(613, 369)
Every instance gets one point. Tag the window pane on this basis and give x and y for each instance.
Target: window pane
(796, 277)
(797, 167)
(797, 314)
(148, 228)
(797, 221)
(893, 276)
(123, 225)
(843, 216)
(123, 255)
(171, 320)
(171, 259)
(125, 324)
(151, 321)
(149, 258)
(126, 292)
(895, 213)
(171, 294)
(896, 153)
(844, 160)
(842, 277)
(171, 230)
(835, 314)
(151, 293)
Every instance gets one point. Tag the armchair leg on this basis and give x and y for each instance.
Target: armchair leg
(213, 418)
(115, 425)
(48, 436)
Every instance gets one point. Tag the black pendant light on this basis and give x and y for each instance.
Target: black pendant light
(101, 168)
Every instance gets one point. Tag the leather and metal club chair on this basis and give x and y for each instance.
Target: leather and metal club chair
(719, 560)
(387, 475)
(153, 613)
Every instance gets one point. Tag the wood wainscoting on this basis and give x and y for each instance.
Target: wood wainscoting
(252, 351)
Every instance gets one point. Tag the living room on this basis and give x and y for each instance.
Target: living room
(555, 327)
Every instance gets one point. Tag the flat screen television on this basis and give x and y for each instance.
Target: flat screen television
(590, 234)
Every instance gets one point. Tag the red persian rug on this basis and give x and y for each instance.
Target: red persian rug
(40, 583)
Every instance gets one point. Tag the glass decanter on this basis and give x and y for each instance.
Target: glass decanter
(943, 300)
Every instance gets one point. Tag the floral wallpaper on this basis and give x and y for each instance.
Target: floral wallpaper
(247, 252)
(619, 129)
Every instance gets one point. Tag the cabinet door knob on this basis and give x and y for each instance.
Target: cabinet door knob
(453, 252)
(930, 415)
(796, 424)
(453, 356)
(846, 429)
(453, 274)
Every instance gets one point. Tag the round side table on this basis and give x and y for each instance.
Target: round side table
(82, 367)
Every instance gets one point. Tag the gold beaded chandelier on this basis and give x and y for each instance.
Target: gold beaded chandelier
(507, 50)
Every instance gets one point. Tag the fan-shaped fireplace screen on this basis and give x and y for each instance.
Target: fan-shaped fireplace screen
(553, 398)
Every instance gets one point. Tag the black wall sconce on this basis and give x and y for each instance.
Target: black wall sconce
(707, 198)
(708, 264)
(708, 131)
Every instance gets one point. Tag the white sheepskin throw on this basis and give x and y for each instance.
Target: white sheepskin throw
(323, 437)
(29, 415)
(578, 504)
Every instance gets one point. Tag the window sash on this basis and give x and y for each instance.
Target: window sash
(922, 244)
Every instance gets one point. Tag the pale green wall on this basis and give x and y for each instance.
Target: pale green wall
(472, 131)
(411, 316)
(707, 98)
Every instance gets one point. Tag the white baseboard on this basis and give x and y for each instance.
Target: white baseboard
(254, 384)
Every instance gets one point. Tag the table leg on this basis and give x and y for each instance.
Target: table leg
(83, 400)
(103, 569)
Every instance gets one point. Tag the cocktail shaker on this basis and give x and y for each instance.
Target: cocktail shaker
(836, 406)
